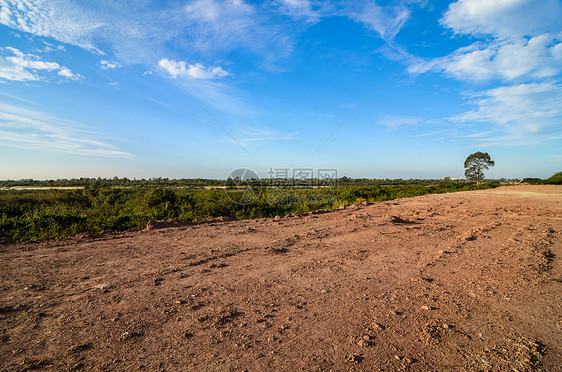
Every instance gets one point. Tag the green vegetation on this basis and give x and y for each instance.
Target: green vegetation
(100, 206)
(532, 181)
(198, 183)
(555, 179)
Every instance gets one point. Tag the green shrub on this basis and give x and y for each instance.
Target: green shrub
(555, 179)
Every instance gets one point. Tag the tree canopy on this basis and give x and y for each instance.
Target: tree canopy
(476, 164)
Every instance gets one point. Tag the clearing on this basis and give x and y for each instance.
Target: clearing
(463, 281)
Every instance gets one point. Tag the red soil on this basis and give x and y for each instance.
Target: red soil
(464, 281)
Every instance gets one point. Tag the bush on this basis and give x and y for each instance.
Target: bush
(532, 181)
(555, 179)
(160, 196)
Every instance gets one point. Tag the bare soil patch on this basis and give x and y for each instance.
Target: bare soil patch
(466, 281)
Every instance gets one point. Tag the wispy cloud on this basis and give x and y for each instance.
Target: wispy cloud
(252, 135)
(109, 65)
(20, 99)
(518, 112)
(521, 41)
(64, 21)
(396, 122)
(213, 25)
(124, 30)
(477, 135)
(266, 139)
(302, 9)
(429, 134)
(34, 130)
(512, 19)
(534, 58)
(386, 20)
(194, 71)
(520, 50)
(27, 67)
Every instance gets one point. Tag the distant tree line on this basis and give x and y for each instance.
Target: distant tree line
(555, 179)
(115, 181)
(206, 182)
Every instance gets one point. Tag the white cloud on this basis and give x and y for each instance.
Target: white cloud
(29, 129)
(25, 67)
(214, 92)
(535, 58)
(62, 20)
(469, 65)
(9, 71)
(69, 74)
(557, 51)
(30, 61)
(504, 18)
(50, 47)
(386, 20)
(127, 29)
(210, 10)
(300, 9)
(234, 24)
(195, 71)
(521, 41)
(520, 47)
(524, 111)
(108, 65)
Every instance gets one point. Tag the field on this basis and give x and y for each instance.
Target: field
(469, 280)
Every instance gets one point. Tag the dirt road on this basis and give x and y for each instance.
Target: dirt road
(466, 281)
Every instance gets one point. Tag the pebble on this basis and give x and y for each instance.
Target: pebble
(127, 335)
(81, 347)
(103, 286)
(425, 307)
(378, 326)
(355, 358)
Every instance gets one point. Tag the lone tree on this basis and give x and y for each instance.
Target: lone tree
(476, 164)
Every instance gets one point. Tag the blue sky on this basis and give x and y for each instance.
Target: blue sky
(185, 89)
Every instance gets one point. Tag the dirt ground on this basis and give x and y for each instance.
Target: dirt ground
(466, 281)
